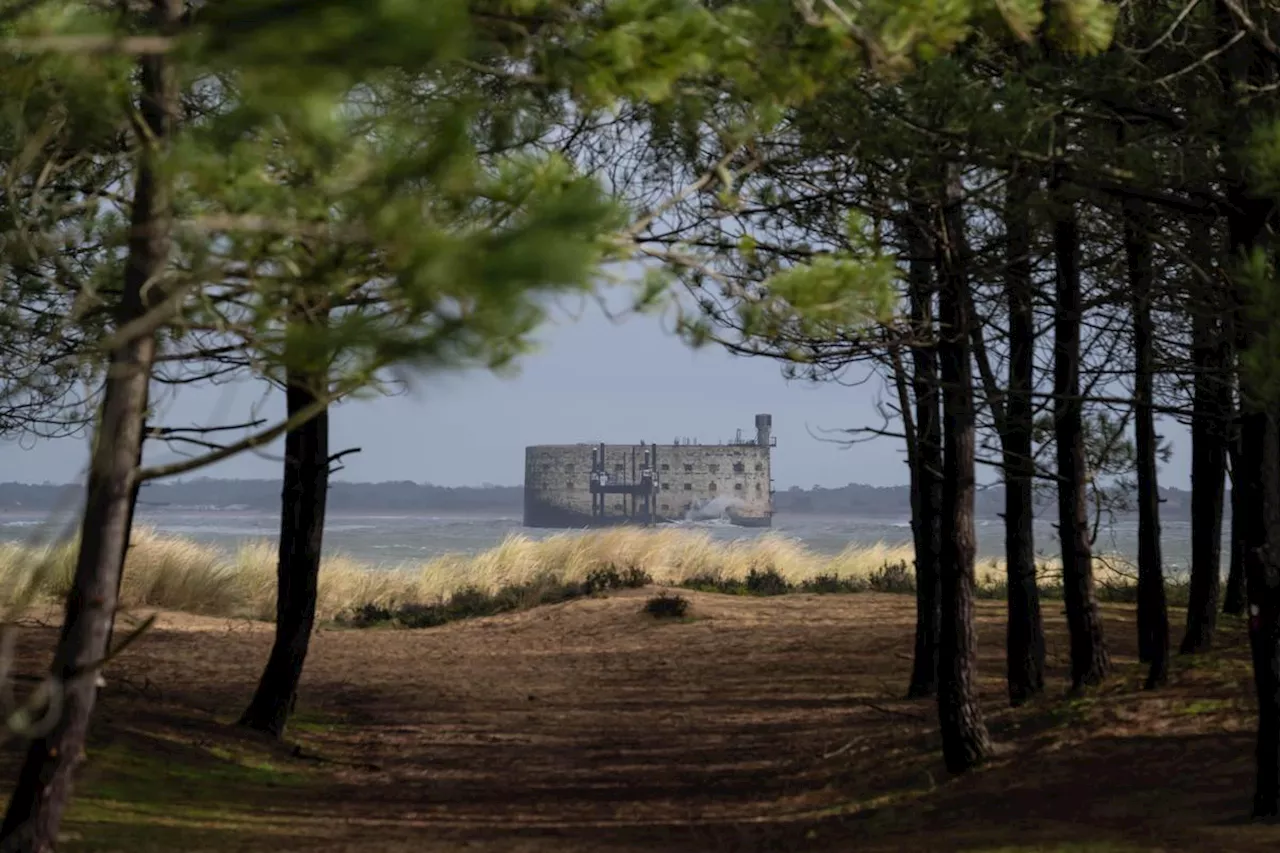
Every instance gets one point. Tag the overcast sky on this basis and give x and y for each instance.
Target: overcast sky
(594, 380)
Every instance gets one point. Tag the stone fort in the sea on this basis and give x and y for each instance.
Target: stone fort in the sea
(592, 485)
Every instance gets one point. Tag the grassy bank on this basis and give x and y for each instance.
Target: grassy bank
(174, 573)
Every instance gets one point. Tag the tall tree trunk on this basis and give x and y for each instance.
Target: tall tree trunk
(1258, 482)
(1089, 658)
(1210, 433)
(1256, 510)
(1025, 637)
(1233, 598)
(44, 784)
(965, 742)
(1153, 613)
(302, 512)
(926, 468)
(1260, 438)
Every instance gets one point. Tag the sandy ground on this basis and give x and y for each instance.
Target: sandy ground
(757, 724)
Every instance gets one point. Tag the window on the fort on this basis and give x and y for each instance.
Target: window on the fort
(620, 507)
(688, 468)
(666, 467)
(758, 489)
(688, 487)
(666, 487)
(738, 468)
(759, 466)
(666, 507)
(714, 469)
(737, 487)
(711, 486)
(620, 467)
(568, 484)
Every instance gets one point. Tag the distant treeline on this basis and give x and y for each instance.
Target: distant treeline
(853, 499)
(265, 495)
(895, 502)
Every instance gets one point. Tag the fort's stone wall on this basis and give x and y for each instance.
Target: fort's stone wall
(557, 481)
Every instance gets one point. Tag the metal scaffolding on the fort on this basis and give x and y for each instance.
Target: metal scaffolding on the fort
(641, 485)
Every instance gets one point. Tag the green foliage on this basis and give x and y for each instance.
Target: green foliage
(1260, 361)
(1082, 27)
(1263, 157)
(894, 578)
(767, 581)
(610, 577)
(339, 168)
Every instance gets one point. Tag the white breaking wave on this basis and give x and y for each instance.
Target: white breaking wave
(715, 508)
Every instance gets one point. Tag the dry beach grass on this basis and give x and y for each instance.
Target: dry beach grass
(175, 573)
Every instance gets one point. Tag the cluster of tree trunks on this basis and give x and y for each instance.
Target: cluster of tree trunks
(43, 790)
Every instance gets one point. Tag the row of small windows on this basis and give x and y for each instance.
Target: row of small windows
(711, 487)
(622, 507)
(688, 487)
(713, 468)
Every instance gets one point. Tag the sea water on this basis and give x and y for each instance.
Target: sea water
(394, 539)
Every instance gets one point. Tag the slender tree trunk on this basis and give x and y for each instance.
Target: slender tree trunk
(306, 486)
(1233, 598)
(1153, 613)
(926, 470)
(1256, 466)
(1261, 446)
(1257, 481)
(1025, 637)
(1089, 658)
(965, 742)
(1210, 433)
(44, 784)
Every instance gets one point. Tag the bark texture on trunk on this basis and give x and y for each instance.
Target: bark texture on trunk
(1257, 510)
(1261, 446)
(1089, 658)
(1210, 433)
(1153, 613)
(926, 467)
(1025, 636)
(1233, 597)
(43, 790)
(302, 512)
(965, 742)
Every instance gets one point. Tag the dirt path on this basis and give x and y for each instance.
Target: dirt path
(759, 724)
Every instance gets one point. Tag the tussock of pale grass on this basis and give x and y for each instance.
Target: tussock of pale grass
(174, 573)
(178, 574)
(344, 583)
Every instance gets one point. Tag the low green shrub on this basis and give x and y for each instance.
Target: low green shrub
(712, 583)
(667, 606)
(767, 582)
(833, 585)
(610, 577)
(897, 577)
(472, 602)
(893, 577)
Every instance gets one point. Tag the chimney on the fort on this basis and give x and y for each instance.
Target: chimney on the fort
(764, 430)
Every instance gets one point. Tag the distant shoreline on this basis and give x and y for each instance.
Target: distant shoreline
(223, 495)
